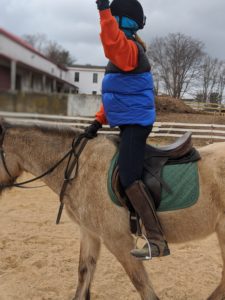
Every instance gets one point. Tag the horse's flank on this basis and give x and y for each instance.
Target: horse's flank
(35, 149)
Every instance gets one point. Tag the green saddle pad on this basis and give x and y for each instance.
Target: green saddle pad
(181, 178)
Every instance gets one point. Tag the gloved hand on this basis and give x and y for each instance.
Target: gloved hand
(91, 131)
(102, 4)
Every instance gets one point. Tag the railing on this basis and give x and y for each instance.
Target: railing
(160, 129)
(209, 107)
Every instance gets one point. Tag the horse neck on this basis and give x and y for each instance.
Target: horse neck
(39, 150)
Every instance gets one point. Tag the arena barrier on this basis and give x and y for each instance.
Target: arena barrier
(160, 129)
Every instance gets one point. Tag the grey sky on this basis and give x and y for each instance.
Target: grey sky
(74, 24)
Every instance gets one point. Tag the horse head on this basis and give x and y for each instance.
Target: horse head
(9, 161)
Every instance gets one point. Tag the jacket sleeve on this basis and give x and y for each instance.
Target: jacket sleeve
(100, 116)
(121, 51)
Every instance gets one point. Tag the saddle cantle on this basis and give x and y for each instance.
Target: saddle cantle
(175, 150)
(179, 152)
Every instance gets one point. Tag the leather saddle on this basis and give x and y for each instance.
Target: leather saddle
(179, 152)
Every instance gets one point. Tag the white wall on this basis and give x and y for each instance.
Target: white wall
(83, 105)
(85, 84)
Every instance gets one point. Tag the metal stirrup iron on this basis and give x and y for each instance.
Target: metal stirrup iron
(148, 257)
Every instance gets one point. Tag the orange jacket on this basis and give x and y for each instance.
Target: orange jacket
(118, 49)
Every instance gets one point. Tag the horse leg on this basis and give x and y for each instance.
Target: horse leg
(89, 252)
(219, 293)
(120, 248)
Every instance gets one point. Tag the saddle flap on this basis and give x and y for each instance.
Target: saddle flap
(117, 188)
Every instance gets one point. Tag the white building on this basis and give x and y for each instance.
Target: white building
(88, 78)
(23, 68)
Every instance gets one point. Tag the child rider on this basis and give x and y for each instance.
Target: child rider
(128, 102)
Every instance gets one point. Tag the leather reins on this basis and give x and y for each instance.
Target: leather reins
(73, 155)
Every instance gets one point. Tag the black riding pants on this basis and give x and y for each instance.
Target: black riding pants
(131, 153)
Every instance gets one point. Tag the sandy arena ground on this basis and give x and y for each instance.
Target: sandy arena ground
(39, 260)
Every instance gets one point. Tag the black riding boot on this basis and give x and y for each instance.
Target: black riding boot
(144, 205)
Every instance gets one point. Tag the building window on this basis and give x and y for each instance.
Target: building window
(95, 78)
(77, 77)
(94, 93)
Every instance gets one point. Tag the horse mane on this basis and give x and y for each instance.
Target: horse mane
(54, 129)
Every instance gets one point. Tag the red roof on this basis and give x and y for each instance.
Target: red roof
(23, 43)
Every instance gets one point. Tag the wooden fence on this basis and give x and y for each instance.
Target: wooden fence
(209, 107)
(160, 129)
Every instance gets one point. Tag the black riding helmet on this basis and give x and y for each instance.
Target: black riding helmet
(129, 8)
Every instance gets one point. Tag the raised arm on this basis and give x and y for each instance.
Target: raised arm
(121, 51)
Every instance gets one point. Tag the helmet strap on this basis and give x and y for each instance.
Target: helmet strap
(120, 22)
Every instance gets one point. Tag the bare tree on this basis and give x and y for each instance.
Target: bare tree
(212, 80)
(156, 78)
(58, 54)
(221, 81)
(177, 59)
(37, 41)
(210, 76)
(51, 49)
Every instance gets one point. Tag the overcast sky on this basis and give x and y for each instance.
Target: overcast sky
(74, 24)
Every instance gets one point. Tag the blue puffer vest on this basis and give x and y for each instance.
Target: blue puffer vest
(128, 97)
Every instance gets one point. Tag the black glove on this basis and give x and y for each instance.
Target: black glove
(91, 131)
(102, 4)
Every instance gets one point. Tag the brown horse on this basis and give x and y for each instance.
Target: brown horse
(35, 149)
